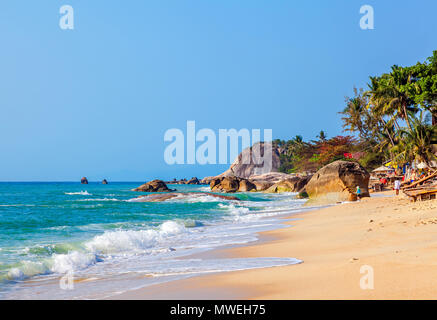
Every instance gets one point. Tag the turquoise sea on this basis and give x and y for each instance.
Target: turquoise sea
(108, 243)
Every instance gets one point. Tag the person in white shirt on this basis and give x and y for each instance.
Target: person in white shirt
(397, 186)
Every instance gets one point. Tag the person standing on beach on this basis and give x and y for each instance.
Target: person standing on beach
(358, 192)
(397, 186)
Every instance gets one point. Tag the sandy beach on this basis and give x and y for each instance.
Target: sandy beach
(393, 236)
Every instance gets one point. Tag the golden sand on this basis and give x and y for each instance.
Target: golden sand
(389, 236)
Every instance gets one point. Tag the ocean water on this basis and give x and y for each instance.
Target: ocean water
(109, 244)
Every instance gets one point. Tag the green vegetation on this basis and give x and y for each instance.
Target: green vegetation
(390, 115)
(298, 156)
(389, 121)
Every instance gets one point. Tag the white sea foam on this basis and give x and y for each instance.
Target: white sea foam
(74, 260)
(27, 269)
(82, 193)
(234, 210)
(155, 251)
(133, 241)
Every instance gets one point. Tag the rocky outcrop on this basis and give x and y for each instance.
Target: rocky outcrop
(245, 186)
(295, 184)
(232, 184)
(337, 182)
(84, 180)
(105, 181)
(168, 196)
(292, 183)
(262, 185)
(207, 180)
(225, 184)
(193, 180)
(153, 186)
(251, 161)
(273, 177)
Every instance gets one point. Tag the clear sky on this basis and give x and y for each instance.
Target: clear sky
(96, 101)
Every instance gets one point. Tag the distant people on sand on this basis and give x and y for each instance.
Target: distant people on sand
(397, 186)
(413, 176)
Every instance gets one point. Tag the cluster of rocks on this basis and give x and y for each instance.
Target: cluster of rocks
(237, 184)
(84, 180)
(335, 182)
(193, 180)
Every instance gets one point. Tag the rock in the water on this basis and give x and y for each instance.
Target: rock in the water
(84, 180)
(337, 182)
(193, 180)
(232, 184)
(225, 184)
(295, 184)
(153, 186)
(302, 195)
(207, 180)
(262, 185)
(246, 186)
(105, 181)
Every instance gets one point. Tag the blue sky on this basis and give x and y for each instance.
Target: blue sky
(96, 101)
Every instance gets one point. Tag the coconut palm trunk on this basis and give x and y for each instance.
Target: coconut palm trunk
(407, 120)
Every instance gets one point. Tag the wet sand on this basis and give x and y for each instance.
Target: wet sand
(340, 247)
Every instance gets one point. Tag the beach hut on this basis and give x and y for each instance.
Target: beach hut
(382, 169)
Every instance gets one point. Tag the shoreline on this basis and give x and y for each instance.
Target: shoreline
(391, 235)
(235, 225)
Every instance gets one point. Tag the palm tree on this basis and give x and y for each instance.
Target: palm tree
(416, 143)
(322, 136)
(380, 107)
(352, 115)
(392, 94)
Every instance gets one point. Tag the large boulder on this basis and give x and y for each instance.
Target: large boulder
(295, 184)
(153, 186)
(225, 184)
(262, 185)
(251, 161)
(246, 186)
(232, 184)
(193, 180)
(337, 182)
